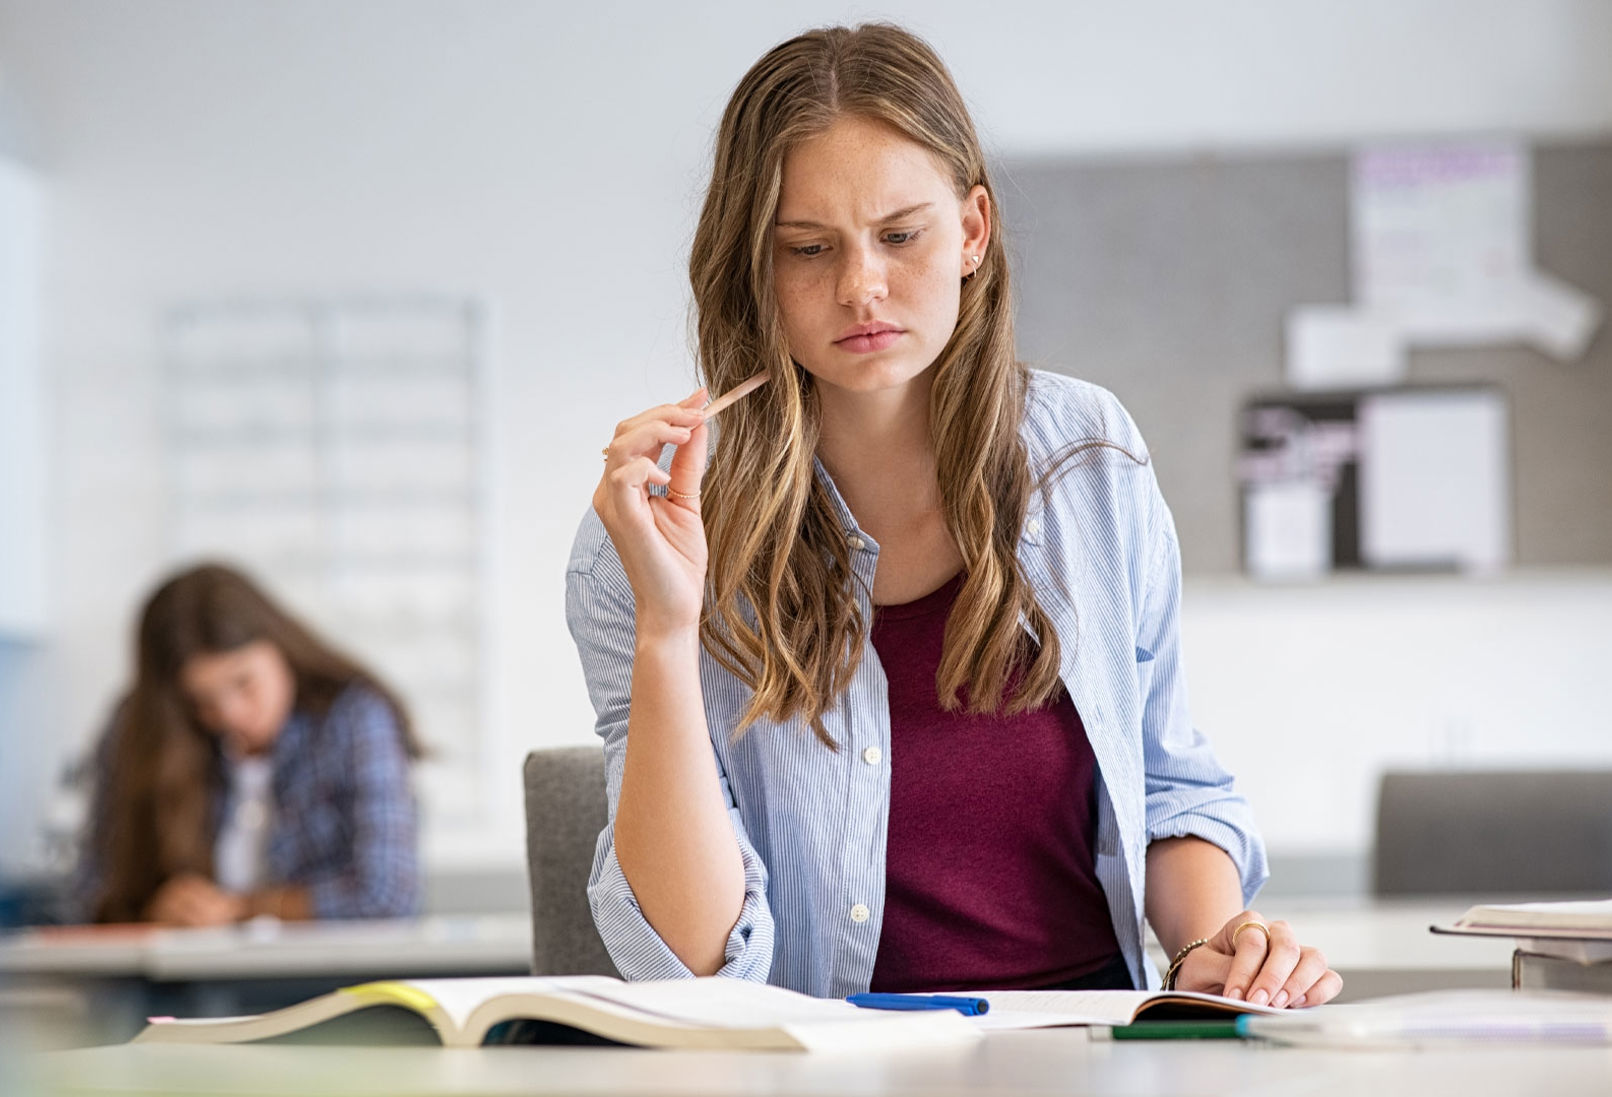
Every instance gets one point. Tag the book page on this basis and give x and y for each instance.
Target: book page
(724, 1003)
(458, 997)
(1049, 1008)
(1594, 916)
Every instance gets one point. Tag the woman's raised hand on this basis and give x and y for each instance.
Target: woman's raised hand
(661, 540)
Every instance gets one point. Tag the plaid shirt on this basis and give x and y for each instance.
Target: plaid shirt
(344, 815)
(344, 824)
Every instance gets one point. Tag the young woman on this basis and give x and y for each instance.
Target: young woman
(891, 694)
(251, 769)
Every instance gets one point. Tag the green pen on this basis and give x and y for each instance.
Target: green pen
(1176, 1030)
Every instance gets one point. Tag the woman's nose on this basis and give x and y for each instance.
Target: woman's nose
(235, 713)
(862, 279)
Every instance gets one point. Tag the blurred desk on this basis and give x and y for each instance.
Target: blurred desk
(1366, 939)
(122, 974)
(444, 945)
(1004, 1063)
(1382, 946)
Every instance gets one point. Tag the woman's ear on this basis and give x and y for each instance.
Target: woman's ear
(976, 210)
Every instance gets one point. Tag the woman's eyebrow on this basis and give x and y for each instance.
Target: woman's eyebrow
(897, 215)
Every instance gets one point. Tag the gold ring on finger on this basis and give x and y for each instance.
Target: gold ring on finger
(675, 494)
(1261, 926)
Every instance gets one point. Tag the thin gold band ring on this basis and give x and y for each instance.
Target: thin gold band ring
(1261, 926)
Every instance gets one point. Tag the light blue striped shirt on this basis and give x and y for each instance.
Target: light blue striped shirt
(1099, 548)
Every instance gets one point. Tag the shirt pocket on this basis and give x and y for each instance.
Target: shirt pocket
(1145, 663)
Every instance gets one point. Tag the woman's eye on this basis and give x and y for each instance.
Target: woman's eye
(906, 237)
(808, 250)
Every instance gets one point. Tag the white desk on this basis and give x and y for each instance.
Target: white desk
(500, 943)
(1008, 1063)
(103, 982)
(1372, 941)
(1383, 947)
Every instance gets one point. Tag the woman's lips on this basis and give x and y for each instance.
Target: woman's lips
(866, 344)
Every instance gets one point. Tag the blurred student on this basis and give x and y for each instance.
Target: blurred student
(250, 770)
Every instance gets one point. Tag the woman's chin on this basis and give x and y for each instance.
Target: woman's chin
(871, 374)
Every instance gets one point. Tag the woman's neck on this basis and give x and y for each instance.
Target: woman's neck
(878, 449)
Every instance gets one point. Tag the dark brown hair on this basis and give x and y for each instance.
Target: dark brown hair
(161, 767)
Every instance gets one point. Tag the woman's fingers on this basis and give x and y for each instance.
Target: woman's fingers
(685, 413)
(1247, 949)
(1309, 970)
(1280, 959)
(688, 470)
(640, 440)
(1268, 966)
(646, 439)
(627, 480)
(1322, 990)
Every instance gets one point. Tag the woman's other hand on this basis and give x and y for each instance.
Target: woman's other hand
(1261, 962)
(192, 900)
(660, 539)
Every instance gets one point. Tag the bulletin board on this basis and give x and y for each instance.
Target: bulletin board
(1168, 280)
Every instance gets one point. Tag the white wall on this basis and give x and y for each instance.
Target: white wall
(549, 159)
(1309, 691)
(23, 444)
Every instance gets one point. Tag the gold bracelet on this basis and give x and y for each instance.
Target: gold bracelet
(1175, 964)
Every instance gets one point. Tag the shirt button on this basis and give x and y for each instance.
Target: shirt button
(873, 756)
(858, 544)
(859, 913)
(1032, 527)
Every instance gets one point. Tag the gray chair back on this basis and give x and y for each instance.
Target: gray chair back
(1494, 833)
(565, 811)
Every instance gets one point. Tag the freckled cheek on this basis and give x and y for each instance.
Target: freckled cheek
(806, 301)
(928, 286)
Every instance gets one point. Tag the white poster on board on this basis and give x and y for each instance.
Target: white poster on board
(1442, 242)
(1435, 487)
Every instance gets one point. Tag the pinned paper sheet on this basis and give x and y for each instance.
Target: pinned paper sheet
(1435, 480)
(1330, 347)
(1442, 243)
(1287, 532)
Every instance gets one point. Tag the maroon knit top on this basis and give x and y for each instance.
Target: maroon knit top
(990, 874)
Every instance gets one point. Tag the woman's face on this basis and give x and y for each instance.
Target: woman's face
(244, 696)
(871, 244)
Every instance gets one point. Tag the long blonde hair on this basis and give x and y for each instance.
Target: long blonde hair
(781, 611)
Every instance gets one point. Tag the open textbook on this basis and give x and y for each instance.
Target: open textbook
(676, 1013)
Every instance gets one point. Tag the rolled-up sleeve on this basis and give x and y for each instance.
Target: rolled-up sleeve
(1188, 791)
(599, 613)
(382, 880)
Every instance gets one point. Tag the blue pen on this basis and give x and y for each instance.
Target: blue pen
(971, 1007)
